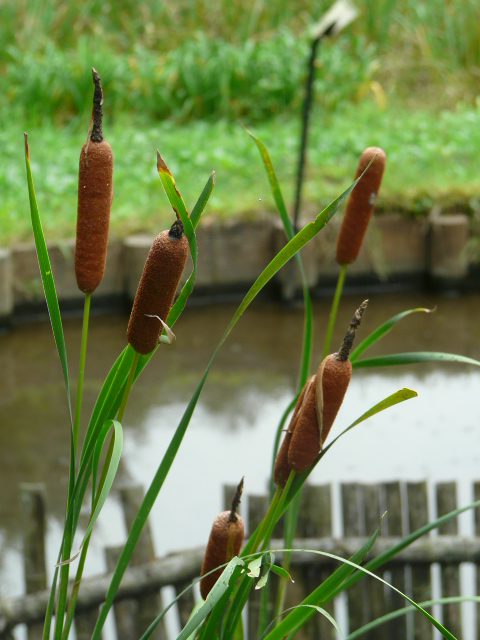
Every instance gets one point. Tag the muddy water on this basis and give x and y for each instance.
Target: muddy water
(434, 436)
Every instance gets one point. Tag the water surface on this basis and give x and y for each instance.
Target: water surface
(432, 437)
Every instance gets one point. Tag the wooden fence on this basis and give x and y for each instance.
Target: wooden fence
(428, 568)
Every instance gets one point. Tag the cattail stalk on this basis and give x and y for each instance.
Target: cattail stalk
(95, 193)
(224, 543)
(360, 205)
(358, 211)
(317, 408)
(156, 290)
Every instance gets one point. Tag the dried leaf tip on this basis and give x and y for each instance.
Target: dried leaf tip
(161, 165)
(236, 501)
(96, 134)
(344, 351)
(25, 139)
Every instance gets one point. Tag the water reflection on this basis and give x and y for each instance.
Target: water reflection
(231, 433)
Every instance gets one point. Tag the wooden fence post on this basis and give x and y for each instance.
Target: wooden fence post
(33, 522)
(124, 611)
(476, 496)
(375, 590)
(449, 574)
(150, 605)
(419, 574)
(315, 521)
(352, 514)
(393, 526)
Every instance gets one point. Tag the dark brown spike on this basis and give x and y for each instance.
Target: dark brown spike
(346, 346)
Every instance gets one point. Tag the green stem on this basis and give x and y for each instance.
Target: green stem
(291, 517)
(258, 534)
(81, 564)
(334, 309)
(128, 386)
(277, 512)
(81, 371)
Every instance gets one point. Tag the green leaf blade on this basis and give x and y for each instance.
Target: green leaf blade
(413, 357)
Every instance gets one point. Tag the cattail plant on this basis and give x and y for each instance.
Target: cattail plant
(95, 193)
(225, 541)
(360, 205)
(156, 289)
(317, 408)
(358, 211)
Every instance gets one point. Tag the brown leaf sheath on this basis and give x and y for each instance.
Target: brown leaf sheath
(156, 289)
(333, 377)
(305, 443)
(360, 205)
(282, 468)
(95, 193)
(224, 543)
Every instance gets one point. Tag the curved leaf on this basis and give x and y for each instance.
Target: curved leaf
(384, 329)
(223, 585)
(413, 357)
(108, 476)
(47, 278)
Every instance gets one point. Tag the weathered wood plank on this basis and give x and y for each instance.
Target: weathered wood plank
(257, 507)
(33, 522)
(124, 611)
(476, 497)
(315, 520)
(420, 574)
(150, 604)
(353, 525)
(393, 526)
(446, 495)
(375, 592)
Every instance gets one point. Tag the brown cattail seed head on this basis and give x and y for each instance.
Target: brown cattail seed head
(282, 468)
(156, 289)
(224, 543)
(305, 443)
(360, 205)
(95, 193)
(333, 377)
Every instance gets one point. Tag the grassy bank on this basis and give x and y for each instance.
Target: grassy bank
(229, 59)
(179, 76)
(432, 159)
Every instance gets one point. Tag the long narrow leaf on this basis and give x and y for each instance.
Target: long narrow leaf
(413, 357)
(290, 232)
(322, 594)
(223, 585)
(47, 278)
(388, 617)
(384, 329)
(202, 201)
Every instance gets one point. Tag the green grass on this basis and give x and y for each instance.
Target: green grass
(178, 76)
(193, 59)
(432, 158)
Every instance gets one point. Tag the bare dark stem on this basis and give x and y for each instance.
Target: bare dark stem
(97, 113)
(344, 351)
(236, 501)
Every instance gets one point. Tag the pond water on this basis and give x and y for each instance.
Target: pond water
(432, 437)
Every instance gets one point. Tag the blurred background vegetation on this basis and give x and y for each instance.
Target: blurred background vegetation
(404, 75)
